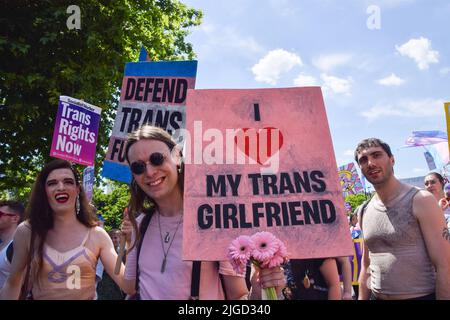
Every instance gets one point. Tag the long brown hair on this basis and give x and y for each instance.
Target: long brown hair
(140, 202)
(39, 213)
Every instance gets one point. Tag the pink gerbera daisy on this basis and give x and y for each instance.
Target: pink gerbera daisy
(265, 246)
(279, 257)
(239, 253)
(241, 248)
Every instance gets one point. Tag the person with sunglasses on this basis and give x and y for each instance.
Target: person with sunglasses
(11, 214)
(57, 248)
(434, 183)
(154, 267)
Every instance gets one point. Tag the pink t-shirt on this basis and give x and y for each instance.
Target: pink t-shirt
(175, 282)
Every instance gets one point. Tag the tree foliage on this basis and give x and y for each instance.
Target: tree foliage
(355, 200)
(42, 59)
(112, 204)
(18, 194)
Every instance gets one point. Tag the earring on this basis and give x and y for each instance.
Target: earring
(77, 205)
(306, 281)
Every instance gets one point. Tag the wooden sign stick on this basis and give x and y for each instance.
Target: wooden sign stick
(121, 248)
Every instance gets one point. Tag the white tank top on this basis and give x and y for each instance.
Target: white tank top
(5, 265)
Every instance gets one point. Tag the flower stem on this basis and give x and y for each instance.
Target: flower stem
(269, 294)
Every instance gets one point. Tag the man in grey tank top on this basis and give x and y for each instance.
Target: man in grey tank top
(406, 251)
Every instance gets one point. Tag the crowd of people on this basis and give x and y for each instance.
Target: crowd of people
(52, 249)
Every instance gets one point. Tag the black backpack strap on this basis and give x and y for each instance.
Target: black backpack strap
(142, 229)
(25, 290)
(361, 210)
(248, 273)
(10, 252)
(195, 280)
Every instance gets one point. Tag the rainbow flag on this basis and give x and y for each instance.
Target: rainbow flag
(349, 179)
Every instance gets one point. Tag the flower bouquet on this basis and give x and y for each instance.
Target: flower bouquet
(262, 249)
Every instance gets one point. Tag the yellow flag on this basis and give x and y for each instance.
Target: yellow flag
(447, 117)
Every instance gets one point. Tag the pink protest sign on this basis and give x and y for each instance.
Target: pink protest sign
(75, 133)
(261, 159)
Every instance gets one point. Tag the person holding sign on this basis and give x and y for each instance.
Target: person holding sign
(154, 268)
(57, 248)
(406, 250)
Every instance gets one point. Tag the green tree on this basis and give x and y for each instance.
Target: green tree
(112, 204)
(42, 59)
(355, 200)
(19, 194)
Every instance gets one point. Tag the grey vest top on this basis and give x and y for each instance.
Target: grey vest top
(399, 262)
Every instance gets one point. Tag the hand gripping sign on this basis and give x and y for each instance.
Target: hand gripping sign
(261, 160)
(121, 247)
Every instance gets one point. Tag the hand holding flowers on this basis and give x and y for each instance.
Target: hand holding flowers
(267, 253)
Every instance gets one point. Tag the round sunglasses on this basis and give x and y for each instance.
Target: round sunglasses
(156, 159)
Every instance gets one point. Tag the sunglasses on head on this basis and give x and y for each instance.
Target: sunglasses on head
(6, 214)
(156, 159)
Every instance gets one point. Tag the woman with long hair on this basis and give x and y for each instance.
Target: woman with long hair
(57, 248)
(435, 183)
(154, 267)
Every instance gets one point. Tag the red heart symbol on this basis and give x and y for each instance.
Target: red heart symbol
(259, 144)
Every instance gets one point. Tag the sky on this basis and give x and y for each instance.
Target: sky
(384, 66)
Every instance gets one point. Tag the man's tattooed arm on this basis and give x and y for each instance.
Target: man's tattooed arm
(446, 234)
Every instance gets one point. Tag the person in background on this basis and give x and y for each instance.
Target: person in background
(435, 183)
(11, 214)
(345, 275)
(99, 269)
(107, 289)
(355, 260)
(115, 237)
(355, 228)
